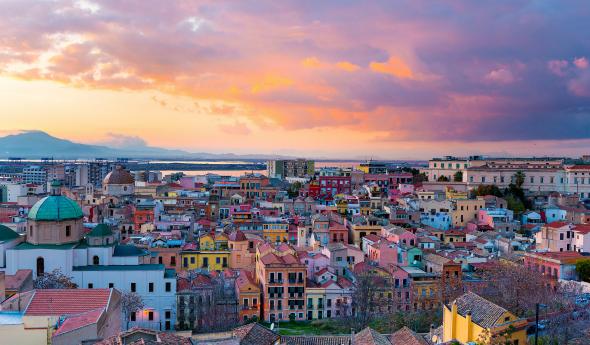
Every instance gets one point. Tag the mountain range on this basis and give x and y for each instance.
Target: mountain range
(38, 144)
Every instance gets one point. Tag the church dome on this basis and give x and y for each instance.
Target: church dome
(55, 208)
(118, 176)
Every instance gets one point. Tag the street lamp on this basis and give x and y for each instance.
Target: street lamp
(537, 306)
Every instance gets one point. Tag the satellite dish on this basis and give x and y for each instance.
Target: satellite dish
(272, 326)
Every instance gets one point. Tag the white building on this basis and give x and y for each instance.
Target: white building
(55, 240)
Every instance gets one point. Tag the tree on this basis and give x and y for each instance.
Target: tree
(443, 178)
(583, 270)
(516, 288)
(515, 204)
(487, 189)
(519, 177)
(294, 188)
(54, 280)
(368, 298)
(458, 177)
(131, 303)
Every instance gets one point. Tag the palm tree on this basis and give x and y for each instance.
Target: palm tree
(519, 179)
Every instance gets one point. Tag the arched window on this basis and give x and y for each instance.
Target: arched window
(40, 266)
(96, 260)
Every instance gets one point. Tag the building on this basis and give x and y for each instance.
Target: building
(373, 167)
(212, 254)
(118, 182)
(555, 237)
(56, 239)
(206, 301)
(333, 185)
(447, 167)
(248, 294)
(556, 265)
(35, 174)
(469, 318)
(66, 316)
(290, 168)
(465, 211)
(282, 279)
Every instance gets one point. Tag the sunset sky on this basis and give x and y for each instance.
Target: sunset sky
(319, 78)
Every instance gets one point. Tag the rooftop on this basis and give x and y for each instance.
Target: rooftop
(67, 301)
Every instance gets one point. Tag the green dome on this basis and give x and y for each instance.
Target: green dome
(55, 208)
(101, 230)
(7, 234)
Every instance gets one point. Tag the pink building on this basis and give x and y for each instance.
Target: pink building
(555, 237)
(556, 265)
(582, 237)
(383, 253)
(399, 235)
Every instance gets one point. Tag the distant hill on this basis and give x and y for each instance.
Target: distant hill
(38, 144)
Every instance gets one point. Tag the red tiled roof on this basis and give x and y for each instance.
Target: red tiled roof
(582, 228)
(557, 224)
(373, 238)
(67, 301)
(78, 321)
(14, 282)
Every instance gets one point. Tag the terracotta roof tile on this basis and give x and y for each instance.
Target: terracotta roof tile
(406, 336)
(70, 301)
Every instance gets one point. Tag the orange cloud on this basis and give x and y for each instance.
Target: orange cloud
(347, 66)
(271, 82)
(311, 62)
(394, 66)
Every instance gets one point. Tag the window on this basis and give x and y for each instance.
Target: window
(167, 314)
(173, 261)
(151, 316)
(132, 317)
(40, 266)
(160, 260)
(150, 287)
(111, 285)
(95, 260)
(68, 230)
(168, 286)
(133, 287)
(90, 285)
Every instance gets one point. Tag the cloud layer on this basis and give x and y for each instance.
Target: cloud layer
(411, 69)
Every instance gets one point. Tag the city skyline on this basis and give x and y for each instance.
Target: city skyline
(383, 79)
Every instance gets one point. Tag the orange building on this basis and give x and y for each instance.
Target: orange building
(243, 251)
(142, 215)
(283, 281)
(248, 293)
(169, 257)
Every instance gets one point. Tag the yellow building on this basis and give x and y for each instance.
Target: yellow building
(363, 226)
(471, 318)
(213, 254)
(451, 193)
(275, 232)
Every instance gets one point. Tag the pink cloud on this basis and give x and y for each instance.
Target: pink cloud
(500, 76)
(557, 67)
(581, 63)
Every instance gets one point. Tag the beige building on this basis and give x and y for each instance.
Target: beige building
(465, 210)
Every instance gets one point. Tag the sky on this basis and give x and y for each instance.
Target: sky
(388, 79)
